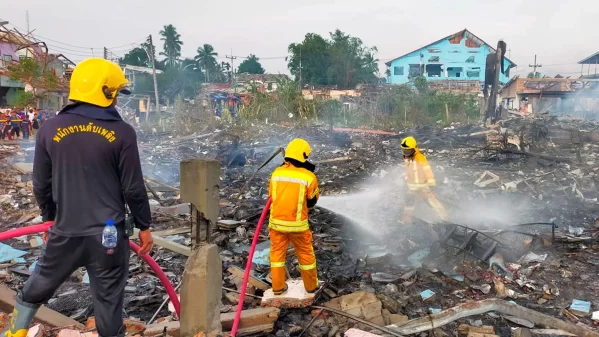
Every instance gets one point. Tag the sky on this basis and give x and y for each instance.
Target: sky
(559, 32)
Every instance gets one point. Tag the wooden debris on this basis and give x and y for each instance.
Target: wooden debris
(252, 321)
(44, 315)
(238, 272)
(476, 308)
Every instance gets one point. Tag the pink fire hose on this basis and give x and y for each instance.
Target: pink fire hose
(13, 233)
(248, 268)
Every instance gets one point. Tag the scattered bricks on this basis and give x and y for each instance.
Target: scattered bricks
(476, 331)
(476, 334)
(68, 333)
(36, 331)
(397, 319)
(234, 298)
(75, 333)
(172, 329)
(323, 314)
(390, 304)
(295, 297)
(91, 323)
(358, 333)
(4, 318)
(521, 332)
(361, 304)
(252, 320)
(379, 320)
(134, 326)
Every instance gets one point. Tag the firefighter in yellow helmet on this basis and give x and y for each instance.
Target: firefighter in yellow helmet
(293, 189)
(419, 178)
(85, 169)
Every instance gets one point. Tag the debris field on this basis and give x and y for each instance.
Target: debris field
(521, 245)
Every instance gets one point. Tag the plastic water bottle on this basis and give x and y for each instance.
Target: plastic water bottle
(109, 235)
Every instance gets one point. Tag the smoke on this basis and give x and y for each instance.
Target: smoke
(379, 208)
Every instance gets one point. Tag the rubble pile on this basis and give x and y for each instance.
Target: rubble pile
(17, 204)
(521, 195)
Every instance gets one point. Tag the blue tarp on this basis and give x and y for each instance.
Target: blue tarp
(7, 253)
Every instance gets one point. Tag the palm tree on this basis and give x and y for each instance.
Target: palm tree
(371, 63)
(226, 67)
(172, 44)
(206, 58)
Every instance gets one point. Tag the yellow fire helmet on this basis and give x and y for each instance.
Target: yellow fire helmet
(408, 143)
(298, 149)
(97, 81)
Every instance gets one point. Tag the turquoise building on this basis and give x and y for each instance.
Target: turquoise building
(461, 56)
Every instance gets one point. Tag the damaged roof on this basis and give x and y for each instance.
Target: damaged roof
(593, 59)
(469, 35)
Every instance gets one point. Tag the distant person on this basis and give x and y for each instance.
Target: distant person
(35, 125)
(15, 123)
(420, 179)
(86, 167)
(293, 189)
(3, 123)
(26, 128)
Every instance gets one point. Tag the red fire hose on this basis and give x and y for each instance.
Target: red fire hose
(13, 233)
(248, 268)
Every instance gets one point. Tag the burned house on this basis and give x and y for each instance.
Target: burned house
(263, 82)
(574, 97)
(456, 62)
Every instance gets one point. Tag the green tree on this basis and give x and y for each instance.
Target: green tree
(135, 57)
(534, 75)
(341, 60)
(312, 55)
(206, 58)
(251, 65)
(172, 45)
(176, 81)
(37, 73)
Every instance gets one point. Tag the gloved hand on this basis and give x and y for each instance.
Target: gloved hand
(45, 234)
(146, 242)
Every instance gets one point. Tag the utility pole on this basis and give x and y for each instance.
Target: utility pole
(300, 69)
(534, 67)
(232, 58)
(27, 21)
(151, 57)
(492, 103)
(105, 53)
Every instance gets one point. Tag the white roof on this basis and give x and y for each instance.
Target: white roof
(141, 69)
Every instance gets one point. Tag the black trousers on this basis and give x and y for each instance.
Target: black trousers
(108, 271)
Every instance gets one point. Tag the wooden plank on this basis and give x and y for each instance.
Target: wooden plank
(238, 272)
(44, 315)
(251, 322)
(173, 231)
(250, 318)
(168, 244)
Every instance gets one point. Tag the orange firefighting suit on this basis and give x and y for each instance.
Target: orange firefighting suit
(290, 189)
(420, 179)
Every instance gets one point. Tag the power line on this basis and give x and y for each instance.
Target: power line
(40, 37)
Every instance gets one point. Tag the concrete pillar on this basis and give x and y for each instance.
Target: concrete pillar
(201, 292)
(200, 187)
